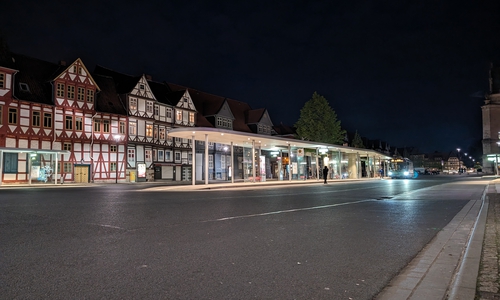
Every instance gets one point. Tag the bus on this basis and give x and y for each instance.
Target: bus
(401, 167)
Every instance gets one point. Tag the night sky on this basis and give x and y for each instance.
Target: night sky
(413, 75)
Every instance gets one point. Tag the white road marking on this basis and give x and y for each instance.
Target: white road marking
(289, 210)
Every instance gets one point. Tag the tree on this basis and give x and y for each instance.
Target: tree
(357, 142)
(318, 122)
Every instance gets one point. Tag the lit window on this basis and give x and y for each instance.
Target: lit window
(149, 130)
(155, 132)
(191, 117)
(210, 161)
(147, 155)
(35, 120)
(133, 104)
(178, 115)
(162, 133)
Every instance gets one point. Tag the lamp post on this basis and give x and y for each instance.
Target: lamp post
(225, 163)
(458, 149)
(117, 138)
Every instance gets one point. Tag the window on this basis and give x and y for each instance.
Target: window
(68, 122)
(97, 125)
(71, 92)
(155, 153)
(162, 133)
(80, 71)
(224, 123)
(47, 120)
(168, 155)
(73, 70)
(133, 104)
(68, 167)
(160, 155)
(81, 94)
(24, 87)
(112, 167)
(132, 128)
(149, 130)
(178, 115)
(35, 118)
(1, 114)
(155, 132)
(177, 156)
(90, 96)
(2, 80)
(121, 128)
(12, 115)
(113, 148)
(169, 112)
(157, 110)
(191, 117)
(67, 146)
(223, 162)
(141, 86)
(210, 161)
(149, 107)
(131, 155)
(60, 90)
(79, 123)
(105, 125)
(147, 155)
(10, 162)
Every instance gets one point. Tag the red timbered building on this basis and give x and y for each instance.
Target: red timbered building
(50, 129)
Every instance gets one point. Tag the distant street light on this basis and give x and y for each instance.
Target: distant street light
(458, 149)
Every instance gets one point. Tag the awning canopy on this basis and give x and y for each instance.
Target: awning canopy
(37, 151)
(265, 142)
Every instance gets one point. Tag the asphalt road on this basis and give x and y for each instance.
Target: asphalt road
(342, 240)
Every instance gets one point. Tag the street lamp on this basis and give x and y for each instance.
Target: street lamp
(458, 149)
(225, 161)
(117, 138)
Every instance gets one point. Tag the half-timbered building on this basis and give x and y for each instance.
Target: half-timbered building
(152, 110)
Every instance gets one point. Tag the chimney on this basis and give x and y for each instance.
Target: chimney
(62, 63)
(149, 77)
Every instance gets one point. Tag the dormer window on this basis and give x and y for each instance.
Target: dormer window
(141, 86)
(24, 87)
(2, 80)
(224, 123)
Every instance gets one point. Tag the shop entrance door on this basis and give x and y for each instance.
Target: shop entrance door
(81, 174)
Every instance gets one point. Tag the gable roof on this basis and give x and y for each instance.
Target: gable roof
(107, 100)
(160, 91)
(36, 73)
(255, 115)
(124, 83)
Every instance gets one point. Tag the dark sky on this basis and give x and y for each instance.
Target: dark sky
(409, 74)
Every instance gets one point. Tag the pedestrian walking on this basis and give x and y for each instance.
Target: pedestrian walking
(325, 173)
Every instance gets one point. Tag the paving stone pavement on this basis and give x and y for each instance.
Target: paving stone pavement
(488, 285)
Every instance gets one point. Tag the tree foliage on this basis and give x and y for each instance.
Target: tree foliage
(357, 141)
(318, 122)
